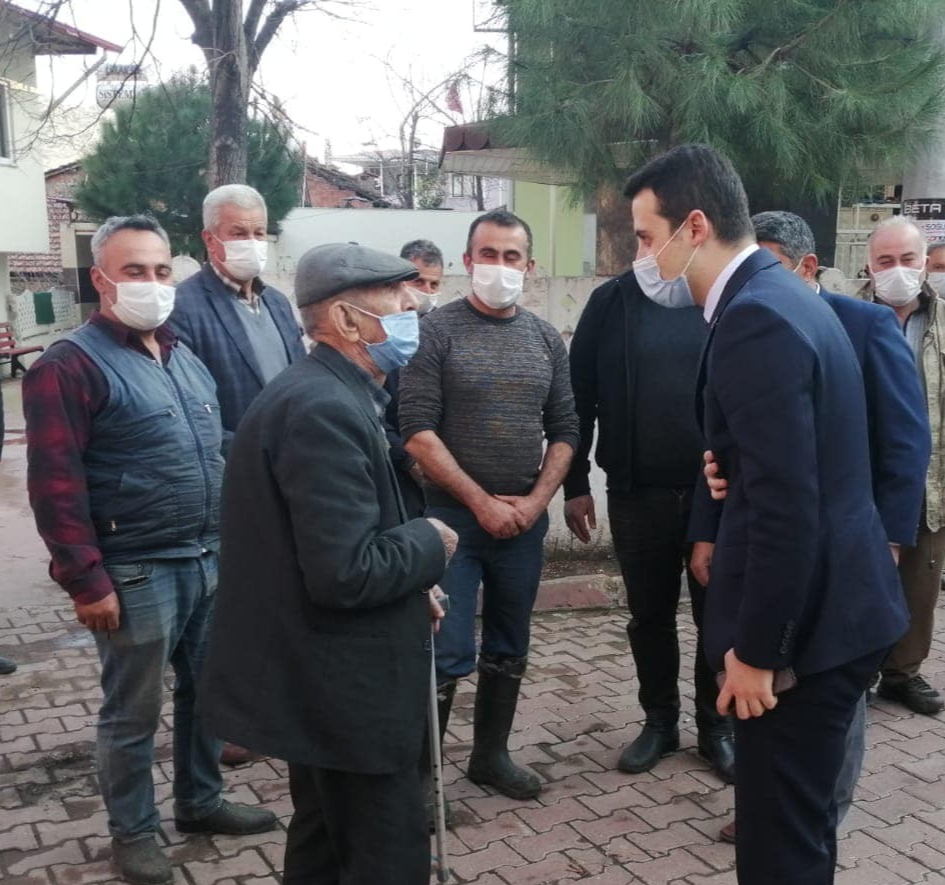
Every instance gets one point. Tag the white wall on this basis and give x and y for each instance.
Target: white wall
(384, 229)
(23, 222)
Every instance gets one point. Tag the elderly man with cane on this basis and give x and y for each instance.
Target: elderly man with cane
(321, 647)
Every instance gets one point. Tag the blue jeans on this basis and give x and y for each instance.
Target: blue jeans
(509, 570)
(166, 608)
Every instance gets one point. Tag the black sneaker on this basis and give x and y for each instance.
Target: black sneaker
(915, 693)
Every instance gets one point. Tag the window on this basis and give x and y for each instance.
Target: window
(6, 130)
(458, 185)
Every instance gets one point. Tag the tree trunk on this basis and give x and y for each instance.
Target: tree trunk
(228, 62)
(616, 244)
(480, 198)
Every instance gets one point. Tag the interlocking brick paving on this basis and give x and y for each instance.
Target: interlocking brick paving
(592, 824)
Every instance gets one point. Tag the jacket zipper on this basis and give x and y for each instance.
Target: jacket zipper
(179, 397)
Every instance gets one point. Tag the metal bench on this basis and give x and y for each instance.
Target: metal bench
(11, 353)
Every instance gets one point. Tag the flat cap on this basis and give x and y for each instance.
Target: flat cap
(324, 271)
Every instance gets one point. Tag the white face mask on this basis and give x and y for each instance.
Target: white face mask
(666, 293)
(897, 286)
(426, 303)
(497, 286)
(142, 305)
(936, 279)
(245, 259)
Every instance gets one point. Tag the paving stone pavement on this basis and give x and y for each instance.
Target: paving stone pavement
(592, 824)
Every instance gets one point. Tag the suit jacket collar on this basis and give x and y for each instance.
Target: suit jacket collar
(757, 261)
(354, 378)
(223, 303)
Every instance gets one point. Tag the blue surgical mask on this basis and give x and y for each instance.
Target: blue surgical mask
(666, 293)
(403, 338)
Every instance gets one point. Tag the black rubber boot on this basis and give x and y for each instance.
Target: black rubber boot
(445, 691)
(496, 699)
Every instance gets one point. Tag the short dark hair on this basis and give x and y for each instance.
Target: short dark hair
(503, 218)
(695, 176)
(422, 250)
(788, 230)
(934, 247)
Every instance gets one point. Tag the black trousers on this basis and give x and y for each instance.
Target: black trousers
(787, 762)
(356, 829)
(649, 531)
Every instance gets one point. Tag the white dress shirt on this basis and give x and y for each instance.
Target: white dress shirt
(721, 281)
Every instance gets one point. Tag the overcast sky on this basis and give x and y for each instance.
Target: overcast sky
(329, 73)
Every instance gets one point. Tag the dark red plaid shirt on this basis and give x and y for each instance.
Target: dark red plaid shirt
(62, 392)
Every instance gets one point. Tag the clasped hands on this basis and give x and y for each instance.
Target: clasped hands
(505, 516)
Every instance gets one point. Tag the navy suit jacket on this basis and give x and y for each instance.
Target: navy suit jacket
(801, 573)
(205, 319)
(899, 433)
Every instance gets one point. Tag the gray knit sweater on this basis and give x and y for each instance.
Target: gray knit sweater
(493, 390)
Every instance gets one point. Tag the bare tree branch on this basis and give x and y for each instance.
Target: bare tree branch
(253, 17)
(202, 17)
(281, 11)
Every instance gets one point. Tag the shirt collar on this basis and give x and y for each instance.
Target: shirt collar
(235, 287)
(126, 337)
(721, 281)
(123, 335)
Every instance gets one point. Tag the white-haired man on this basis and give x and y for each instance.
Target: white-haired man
(242, 330)
(897, 264)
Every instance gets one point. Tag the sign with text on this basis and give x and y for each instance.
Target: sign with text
(929, 214)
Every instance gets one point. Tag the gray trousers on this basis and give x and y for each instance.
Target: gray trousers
(920, 569)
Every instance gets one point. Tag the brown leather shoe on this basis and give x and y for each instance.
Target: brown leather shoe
(233, 755)
(727, 833)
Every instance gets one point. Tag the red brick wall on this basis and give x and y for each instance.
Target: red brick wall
(325, 195)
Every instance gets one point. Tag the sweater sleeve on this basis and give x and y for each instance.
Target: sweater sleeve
(559, 419)
(421, 386)
(583, 365)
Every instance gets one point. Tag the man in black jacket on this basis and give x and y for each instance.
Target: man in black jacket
(633, 369)
(321, 649)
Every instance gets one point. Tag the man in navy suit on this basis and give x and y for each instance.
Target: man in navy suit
(801, 581)
(241, 329)
(899, 434)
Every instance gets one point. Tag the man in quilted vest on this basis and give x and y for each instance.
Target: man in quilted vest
(123, 443)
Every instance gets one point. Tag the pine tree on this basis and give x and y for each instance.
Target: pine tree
(153, 158)
(801, 94)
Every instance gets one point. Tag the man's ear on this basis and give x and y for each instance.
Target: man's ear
(468, 262)
(211, 243)
(701, 228)
(343, 322)
(99, 281)
(809, 266)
